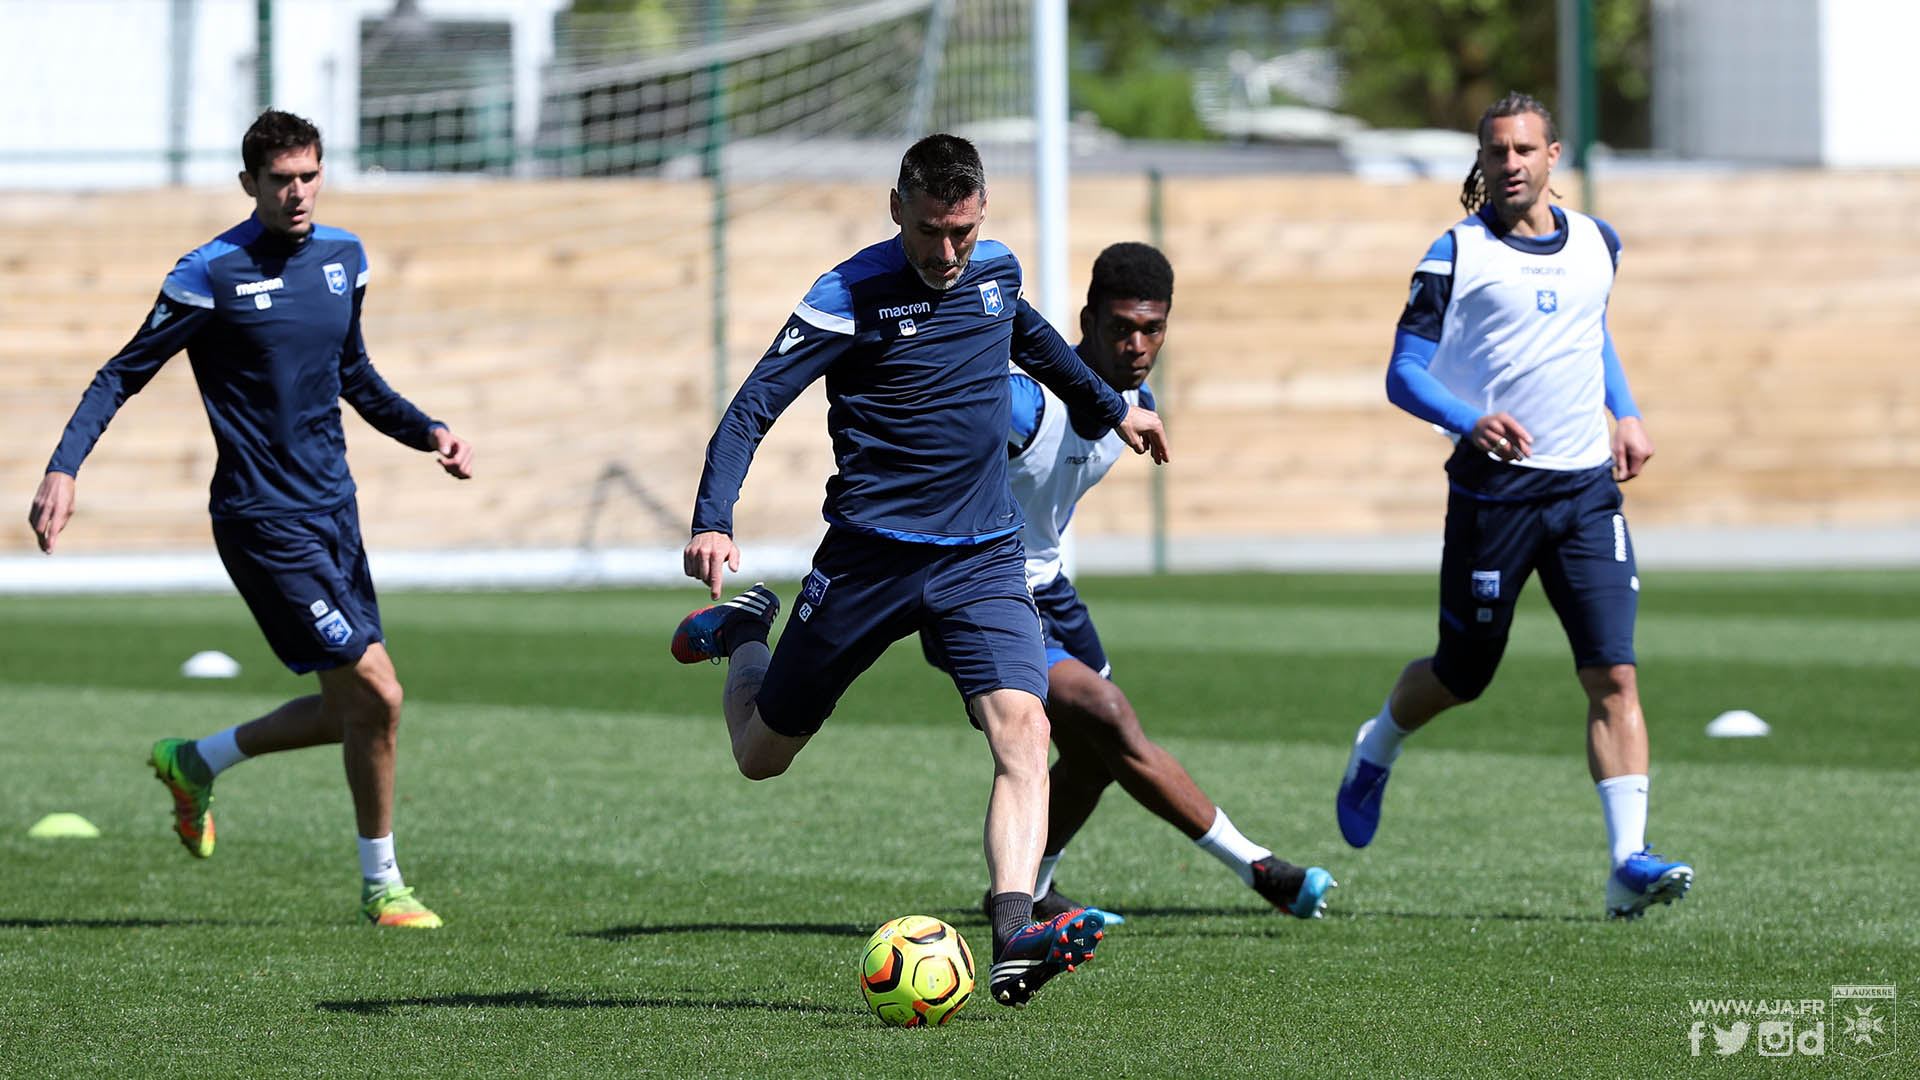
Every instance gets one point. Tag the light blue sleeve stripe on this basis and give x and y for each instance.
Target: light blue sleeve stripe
(1439, 256)
(1027, 404)
(1412, 387)
(833, 324)
(1619, 398)
(189, 282)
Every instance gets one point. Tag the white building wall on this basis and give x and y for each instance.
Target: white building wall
(88, 82)
(1868, 53)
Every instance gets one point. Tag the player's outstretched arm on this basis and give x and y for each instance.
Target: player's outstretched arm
(1143, 432)
(707, 558)
(1632, 446)
(52, 506)
(455, 454)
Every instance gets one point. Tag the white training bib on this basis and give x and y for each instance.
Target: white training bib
(1523, 334)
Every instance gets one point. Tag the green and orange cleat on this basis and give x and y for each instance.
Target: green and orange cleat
(389, 903)
(178, 765)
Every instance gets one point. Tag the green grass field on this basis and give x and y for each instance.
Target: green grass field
(619, 902)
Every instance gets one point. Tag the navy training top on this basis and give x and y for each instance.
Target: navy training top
(272, 328)
(916, 392)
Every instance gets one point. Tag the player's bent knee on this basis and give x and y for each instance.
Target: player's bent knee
(1466, 673)
(1602, 681)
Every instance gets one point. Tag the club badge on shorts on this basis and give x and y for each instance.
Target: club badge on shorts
(813, 593)
(1486, 584)
(333, 628)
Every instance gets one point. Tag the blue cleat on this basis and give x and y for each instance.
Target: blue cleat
(1358, 804)
(712, 632)
(1644, 880)
(1300, 892)
(1043, 950)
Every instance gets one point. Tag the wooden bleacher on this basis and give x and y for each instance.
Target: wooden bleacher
(1768, 322)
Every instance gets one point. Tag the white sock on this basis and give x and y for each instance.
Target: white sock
(221, 752)
(1623, 801)
(1043, 884)
(376, 859)
(1381, 743)
(1225, 843)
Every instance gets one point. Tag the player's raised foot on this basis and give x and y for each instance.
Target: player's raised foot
(178, 765)
(712, 632)
(1644, 880)
(389, 903)
(1043, 950)
(1300, 891)
(1361, 789)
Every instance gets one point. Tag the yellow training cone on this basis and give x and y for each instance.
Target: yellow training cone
(54, 826)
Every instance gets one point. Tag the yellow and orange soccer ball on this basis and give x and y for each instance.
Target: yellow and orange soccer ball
(916, 971)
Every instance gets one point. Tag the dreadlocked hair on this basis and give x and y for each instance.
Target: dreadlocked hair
(1473, 191)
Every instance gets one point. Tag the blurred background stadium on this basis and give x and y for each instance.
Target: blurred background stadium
(587, 219)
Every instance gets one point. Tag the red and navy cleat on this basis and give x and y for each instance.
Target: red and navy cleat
(712, 632)
(1043, 950)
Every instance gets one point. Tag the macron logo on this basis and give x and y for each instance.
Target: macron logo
(792, 337)
(160, 315)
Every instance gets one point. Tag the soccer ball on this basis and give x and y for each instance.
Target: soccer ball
(916, 970)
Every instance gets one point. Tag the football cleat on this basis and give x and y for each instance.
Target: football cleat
(178, 765)
(1644, 880)
(711, 632)
(1361, 789)
(389, 903)
(1043, 950)
(1298, 891)
(1053, 903)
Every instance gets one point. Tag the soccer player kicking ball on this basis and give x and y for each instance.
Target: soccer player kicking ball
(1504, 344)
(913, 336)
(1056, 454)
(269, 313)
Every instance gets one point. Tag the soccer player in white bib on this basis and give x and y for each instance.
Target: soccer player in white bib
(1504, 345)
(1056, 454)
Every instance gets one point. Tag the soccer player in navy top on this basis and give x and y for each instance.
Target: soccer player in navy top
(1055, 455)
(913, 336)
(269, 313)
(1504, 345)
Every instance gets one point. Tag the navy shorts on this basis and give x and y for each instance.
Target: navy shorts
(1068, 628)
(867, 592)
(1578, 541)
(305, 579)
(1065, 629)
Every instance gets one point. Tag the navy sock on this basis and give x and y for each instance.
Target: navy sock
(1012, 911)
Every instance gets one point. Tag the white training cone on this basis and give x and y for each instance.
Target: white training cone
(57, 826)
(210, 664)
(1737, 724)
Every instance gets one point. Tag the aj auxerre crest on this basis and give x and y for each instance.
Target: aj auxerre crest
(1863, 1021)
(990, 302)
(333, 628)
(336, 278)
(1486, 584)
(1546, 300)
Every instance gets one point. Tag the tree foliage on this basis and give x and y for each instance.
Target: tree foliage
(1438, 63)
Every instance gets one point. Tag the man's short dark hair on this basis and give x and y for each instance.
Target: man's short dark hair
(274, 133)
(946, 167)
(1130, 271)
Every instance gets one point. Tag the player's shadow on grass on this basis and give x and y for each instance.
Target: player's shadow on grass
(114, 924)
(622, 933)
(541, 999)
(1467, 916)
